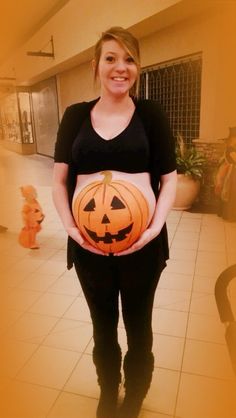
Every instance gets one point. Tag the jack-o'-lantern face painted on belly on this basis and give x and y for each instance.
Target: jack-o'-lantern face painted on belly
(111, 214)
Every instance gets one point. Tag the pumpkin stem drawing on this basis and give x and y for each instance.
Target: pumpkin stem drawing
(110, 213)
(107, 177)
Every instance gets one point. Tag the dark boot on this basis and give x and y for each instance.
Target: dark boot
(108, 367)
(138, 376)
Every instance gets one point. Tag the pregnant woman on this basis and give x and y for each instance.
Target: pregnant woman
(113, 186)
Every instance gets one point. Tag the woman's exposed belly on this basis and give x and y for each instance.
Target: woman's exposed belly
(112, 209)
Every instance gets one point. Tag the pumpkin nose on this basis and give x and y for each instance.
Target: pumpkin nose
(105, 220)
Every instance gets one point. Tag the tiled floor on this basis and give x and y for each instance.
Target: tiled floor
(46, 343)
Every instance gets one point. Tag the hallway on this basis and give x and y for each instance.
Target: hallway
(46, 333)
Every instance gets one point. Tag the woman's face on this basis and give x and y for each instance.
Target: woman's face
(117, 70)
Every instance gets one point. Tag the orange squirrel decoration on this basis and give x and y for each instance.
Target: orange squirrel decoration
(32, 216)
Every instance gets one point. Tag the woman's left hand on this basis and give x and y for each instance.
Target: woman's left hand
(144, 239)
(165, 201)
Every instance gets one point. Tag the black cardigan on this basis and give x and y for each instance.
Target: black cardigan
(161, 143)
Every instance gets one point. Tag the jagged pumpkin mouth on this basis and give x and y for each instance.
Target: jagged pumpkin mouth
(108, 238)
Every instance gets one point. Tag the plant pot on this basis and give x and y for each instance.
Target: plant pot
(186, 193)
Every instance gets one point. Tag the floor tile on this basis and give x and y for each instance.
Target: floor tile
(212, 219)
(60, 255)
(184, 244)
(207, 359)
(25, 266)
(11, 248)
(192, 215)
(203, 303)
(7, 261)
(122, 338)
(11, 279)
(69, 405)
(78, 310)
(187, 235)
(162, 394)
(180, 266)
(38, 282)
(14, 355)
(66, 285)
(168, 351)
(212, 256)
(171, 233)
(210, 269)
(231, 240)
(180, 254)
(213, 228)
(83, 380)
(43, 253)
(188, 224)
(148, 414)
(169, 322)
(174, 216)
(31, 328)
(55, 268)
(70, 273)
(231, 255)
(49, 367)
(21, 300)
(204, 397)
(211, 243)
(205, 328)
(46, 322)
(177, 300)
(23, 400)
(175, 281)
(52, 304)
(57, 243)
(70, 334)
(204, 284)
(7, 318)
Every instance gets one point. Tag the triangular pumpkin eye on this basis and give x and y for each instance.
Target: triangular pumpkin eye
(117, 203)
(90, 207)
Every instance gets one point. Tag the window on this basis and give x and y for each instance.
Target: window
(177, 86)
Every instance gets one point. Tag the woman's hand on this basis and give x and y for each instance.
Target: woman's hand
(144, 239)
(164, 204)
(74, 233)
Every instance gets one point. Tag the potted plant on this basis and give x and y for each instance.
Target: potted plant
(190, 168)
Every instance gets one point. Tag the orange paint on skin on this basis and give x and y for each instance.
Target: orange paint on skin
(111, 214)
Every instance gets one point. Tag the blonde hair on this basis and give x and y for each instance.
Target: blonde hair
(128, 42)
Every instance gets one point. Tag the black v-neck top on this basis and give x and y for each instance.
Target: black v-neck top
(148, 133)
(127, 152)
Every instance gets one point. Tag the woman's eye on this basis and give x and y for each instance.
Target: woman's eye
(109, 58)
(130, 60)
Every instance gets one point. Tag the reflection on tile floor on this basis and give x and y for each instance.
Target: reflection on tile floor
(46, 331)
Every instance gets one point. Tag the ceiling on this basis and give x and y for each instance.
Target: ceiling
(20, 20)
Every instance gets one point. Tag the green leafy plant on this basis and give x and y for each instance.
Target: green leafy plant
(190, 161)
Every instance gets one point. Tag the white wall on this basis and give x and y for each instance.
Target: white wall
(212, 33)
(75, 29)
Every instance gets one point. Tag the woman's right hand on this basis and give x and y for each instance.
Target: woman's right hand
(74, 233)
(60, 198)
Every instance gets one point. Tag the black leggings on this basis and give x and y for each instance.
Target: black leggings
(135, 278)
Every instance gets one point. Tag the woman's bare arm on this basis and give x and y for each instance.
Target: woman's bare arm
(61, 202)
(164, 204)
